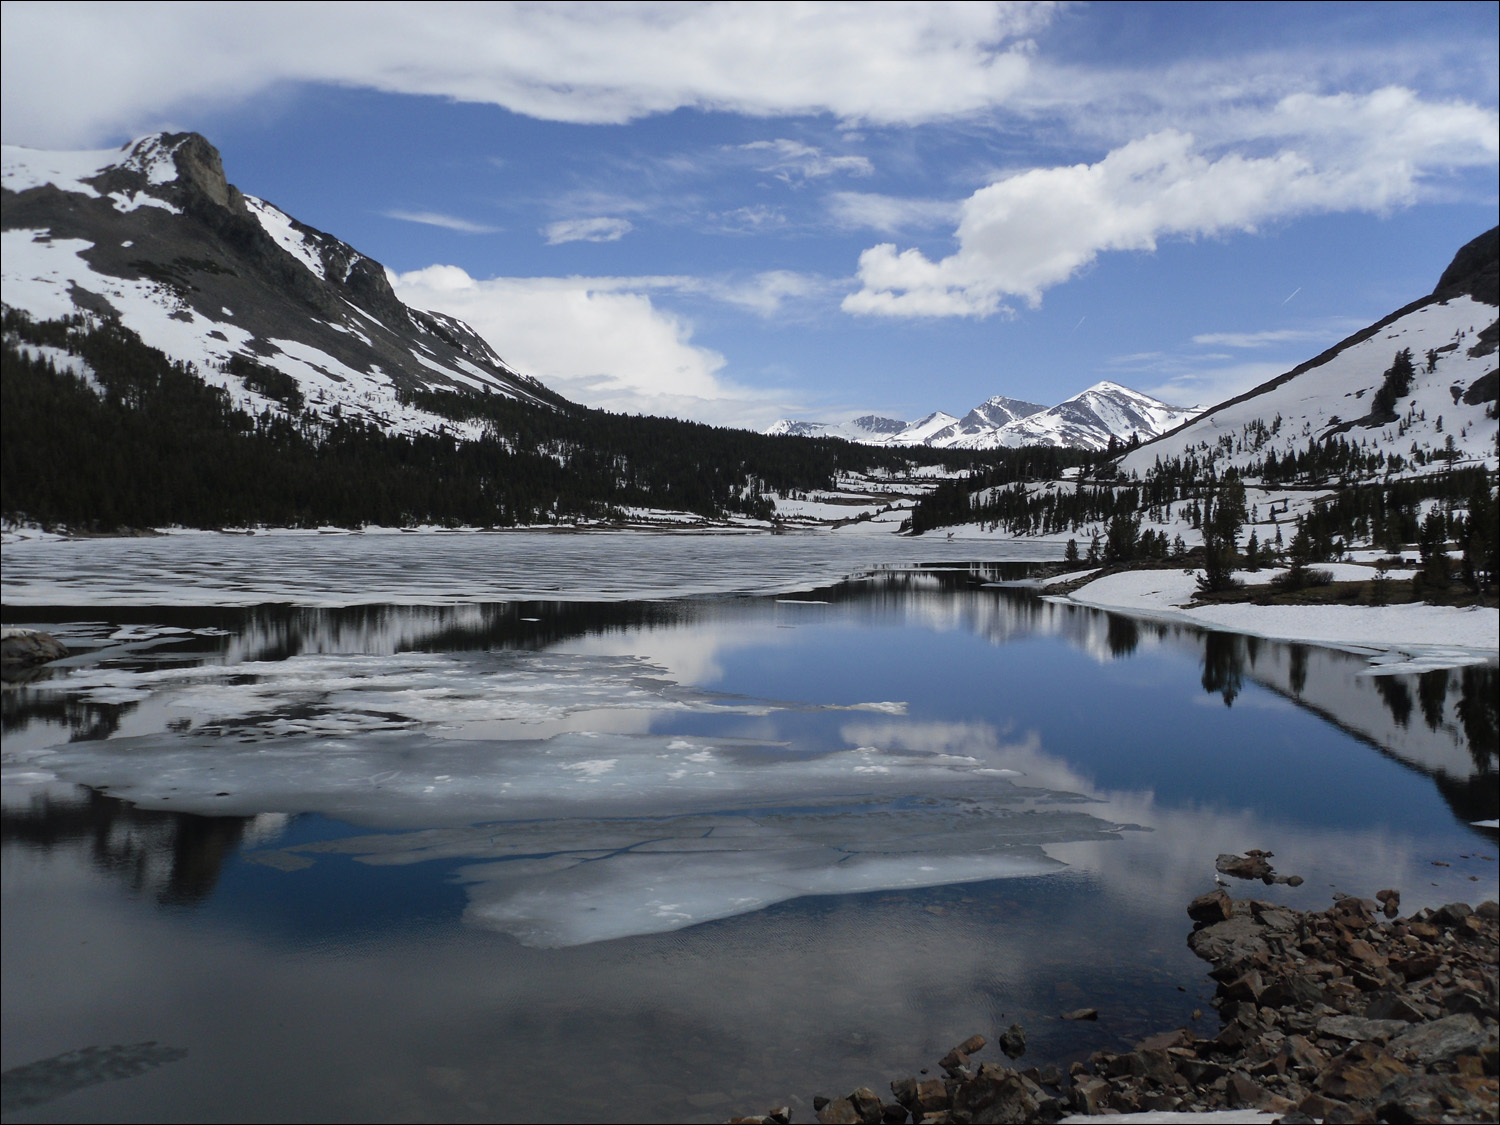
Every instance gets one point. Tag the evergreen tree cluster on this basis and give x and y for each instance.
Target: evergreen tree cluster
(146, 442)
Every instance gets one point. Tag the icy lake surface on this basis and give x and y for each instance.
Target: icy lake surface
(465, 827)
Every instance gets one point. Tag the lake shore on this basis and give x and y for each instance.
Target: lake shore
(1349, 1014)
(1397, 638)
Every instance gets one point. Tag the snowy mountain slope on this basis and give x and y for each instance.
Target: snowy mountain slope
(1088, 420)
(989, 415)
(1451, 335)
(871, 429)
(153, 234)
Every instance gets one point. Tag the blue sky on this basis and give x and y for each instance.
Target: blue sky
(742, 212)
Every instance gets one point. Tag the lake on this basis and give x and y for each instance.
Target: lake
(553, 827)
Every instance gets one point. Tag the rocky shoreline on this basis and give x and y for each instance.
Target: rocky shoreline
(1350, 1014)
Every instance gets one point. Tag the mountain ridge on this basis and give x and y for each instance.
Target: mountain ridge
(157, 237)
(1101, 415)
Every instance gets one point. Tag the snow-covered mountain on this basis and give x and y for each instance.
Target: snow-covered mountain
(152, 233)
(1451, 336)
(1089, 420)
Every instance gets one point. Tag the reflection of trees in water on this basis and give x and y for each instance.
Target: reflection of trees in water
(1432, 695)
(1297, 668)
(1479, 712)
(1124, 634)
(176, 857)
(1397, 697)
(1223, 665)
(86, 720)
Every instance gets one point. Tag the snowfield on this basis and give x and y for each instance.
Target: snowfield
(1397, 637)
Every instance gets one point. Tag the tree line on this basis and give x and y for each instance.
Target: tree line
(145, 441)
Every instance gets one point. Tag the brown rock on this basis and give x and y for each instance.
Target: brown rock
(1013, 1041)
(1355, 1078)
(1215, 906)
(929, 1096)
(955, 1062)
(996, 1094)
(1250, 866)
(1241, 1090)
(1090, 1096)
(867, 1105)
(840, 1111)
(972, 1045)
(1081, 1014)
(1440, 1040)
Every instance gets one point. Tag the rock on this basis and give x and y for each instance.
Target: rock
(1215, 906)
(972, 1045)
(1081, 1014)
(893, 1114)
(1241, 1090)
(929, 1096)
(867, 1105)
(779, 1114)
(1387, 1005)
(955, 1062)
(1013, 1041)
(1358, 1029)
(26, 648)
(840, 1111)
(904, 1090)
(819, 1102)
(1250, 866)
(1089, 1096)
(1233, 942)
(1360, 1074)
(996, 1094)
(1440, 1040)
(1452, 914)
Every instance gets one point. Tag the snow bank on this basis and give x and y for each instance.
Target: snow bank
(1425, 635)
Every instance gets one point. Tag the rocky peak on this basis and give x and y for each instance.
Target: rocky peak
(1474, 271)
(199, 165)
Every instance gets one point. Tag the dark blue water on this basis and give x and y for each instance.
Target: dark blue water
(311, 975)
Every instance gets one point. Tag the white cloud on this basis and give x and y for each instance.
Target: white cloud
(1269, 337)
(128, 67)
(1210, 386)
(752, 218)
(598, 341)
(1035, 229)
(587, 230)
(793, 160)
(856, 210)
(435, 219)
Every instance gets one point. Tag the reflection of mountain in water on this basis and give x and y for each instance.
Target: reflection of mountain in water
(175, 857)
(1442, 723)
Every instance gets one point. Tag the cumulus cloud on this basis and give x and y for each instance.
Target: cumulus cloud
(600, 341)
(792, 161)
(127, 67)
(435, 219)
(587, 230)
(1035, 229)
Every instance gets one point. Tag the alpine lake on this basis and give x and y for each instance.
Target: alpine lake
(635, 827)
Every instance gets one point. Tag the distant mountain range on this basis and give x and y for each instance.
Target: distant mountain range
(1089, 420)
